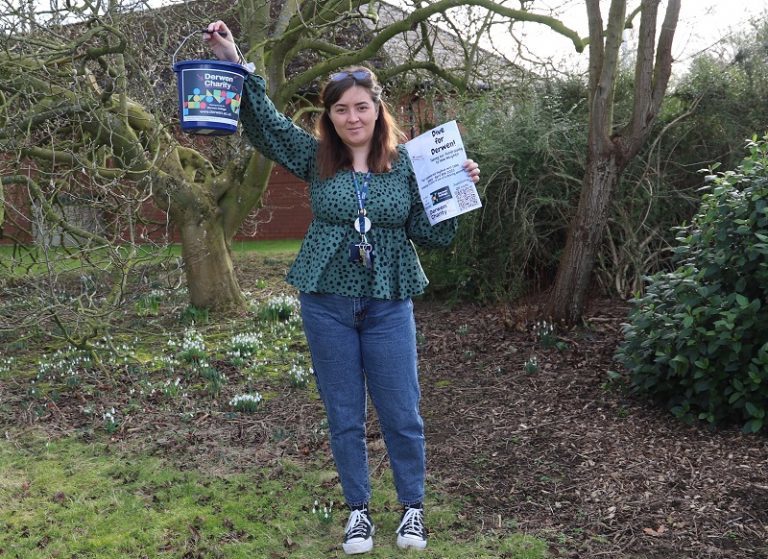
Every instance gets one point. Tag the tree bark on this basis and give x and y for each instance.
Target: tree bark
(210, 274)
(578, 259)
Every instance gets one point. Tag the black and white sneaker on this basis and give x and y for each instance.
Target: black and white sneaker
(358, 535)
(411, 532)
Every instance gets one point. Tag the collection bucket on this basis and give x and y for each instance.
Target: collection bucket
(210, 92)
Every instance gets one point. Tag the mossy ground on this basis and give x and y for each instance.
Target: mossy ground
(67, 498)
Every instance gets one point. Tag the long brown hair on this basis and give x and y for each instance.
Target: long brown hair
(332, 154)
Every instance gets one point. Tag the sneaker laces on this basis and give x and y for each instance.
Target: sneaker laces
(358, 526)
(412, 523)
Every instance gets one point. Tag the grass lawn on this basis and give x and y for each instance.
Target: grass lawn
(65, 498)
(141, 446)
(268, 247)
(21, 261)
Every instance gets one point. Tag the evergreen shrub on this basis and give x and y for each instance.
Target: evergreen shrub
(697, 339)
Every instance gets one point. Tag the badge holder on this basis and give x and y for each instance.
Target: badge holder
(362, 252)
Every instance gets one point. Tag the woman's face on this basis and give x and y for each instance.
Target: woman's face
(354, 117)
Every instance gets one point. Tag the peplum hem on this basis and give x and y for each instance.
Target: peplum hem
(397, 270)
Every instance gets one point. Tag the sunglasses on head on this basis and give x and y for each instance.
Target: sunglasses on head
(357, 75)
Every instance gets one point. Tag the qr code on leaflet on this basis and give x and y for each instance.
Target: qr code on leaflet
(466, 198)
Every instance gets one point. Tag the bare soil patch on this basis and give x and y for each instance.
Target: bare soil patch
(566, 454)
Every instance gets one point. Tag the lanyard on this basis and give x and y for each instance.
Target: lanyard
(362, 223)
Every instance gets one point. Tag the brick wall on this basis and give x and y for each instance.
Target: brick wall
(17, 225)
(285, 213)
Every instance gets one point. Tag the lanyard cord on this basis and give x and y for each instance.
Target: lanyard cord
(362, 196)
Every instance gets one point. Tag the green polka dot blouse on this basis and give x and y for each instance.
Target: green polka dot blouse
(393, 205)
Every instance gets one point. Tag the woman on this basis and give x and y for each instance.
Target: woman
(356, 272)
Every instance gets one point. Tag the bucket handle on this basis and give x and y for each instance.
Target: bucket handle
(193, 34)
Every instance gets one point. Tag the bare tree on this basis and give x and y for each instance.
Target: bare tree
(68, 108)
(610, 149)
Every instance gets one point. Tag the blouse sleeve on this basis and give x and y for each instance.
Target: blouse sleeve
(418, 227)
(273, 134)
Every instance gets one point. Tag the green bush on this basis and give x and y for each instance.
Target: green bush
(697, 340)
(530, 144)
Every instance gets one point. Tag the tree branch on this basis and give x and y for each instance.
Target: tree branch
(596, 45)
(603, 74)
(50, 213)
(432, 67)
(416, 16)
(663, 69)
(651, 73)
(644, 67)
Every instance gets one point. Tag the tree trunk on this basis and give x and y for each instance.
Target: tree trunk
(211, 278)
(609, 150)
(566, 302)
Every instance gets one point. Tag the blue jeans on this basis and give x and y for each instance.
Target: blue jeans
(358, 343)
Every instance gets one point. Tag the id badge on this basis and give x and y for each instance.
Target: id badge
(354, 252)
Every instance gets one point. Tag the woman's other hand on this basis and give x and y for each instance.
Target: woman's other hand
(219, 37)
(473, 170)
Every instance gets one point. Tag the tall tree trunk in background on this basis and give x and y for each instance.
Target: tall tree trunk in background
(609, 151)
(578, 259)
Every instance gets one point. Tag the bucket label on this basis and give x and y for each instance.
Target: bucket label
(211, 95)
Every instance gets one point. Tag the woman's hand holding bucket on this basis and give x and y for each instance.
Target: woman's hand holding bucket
(219, 37)
(211, 91)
